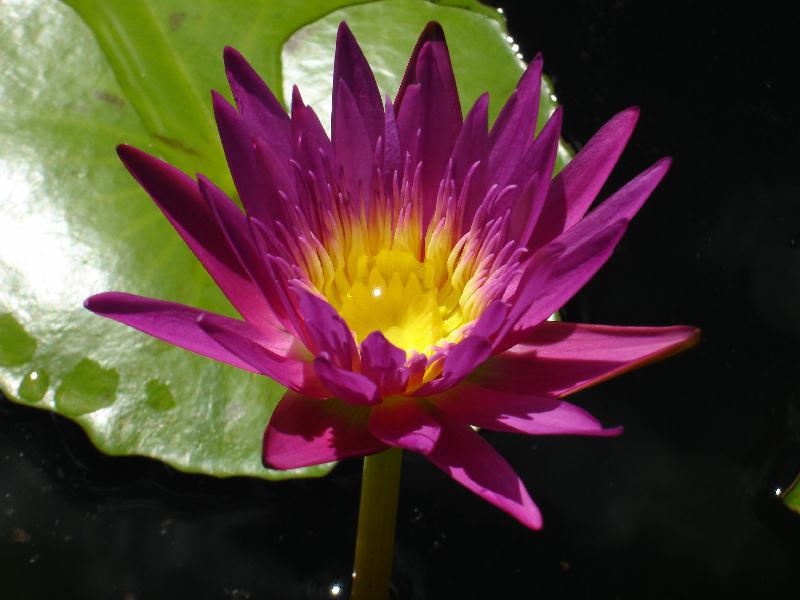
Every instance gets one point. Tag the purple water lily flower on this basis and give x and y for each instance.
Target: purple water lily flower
(398, 276)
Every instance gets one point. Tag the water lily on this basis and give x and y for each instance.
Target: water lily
(397, 277)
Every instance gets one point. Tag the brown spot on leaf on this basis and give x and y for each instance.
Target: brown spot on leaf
(177, 144)
(176, 20)
(110, 98)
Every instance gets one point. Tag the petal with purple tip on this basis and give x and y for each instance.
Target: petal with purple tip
(533, 179)
(625, 202)
(351, 67)
(512, 132)
(256, 102)
(427, 103)
(259, 177)
(308, 134)
(178, 197)
(574, 189)
(433, 36)
(579, 252)
(177, 324)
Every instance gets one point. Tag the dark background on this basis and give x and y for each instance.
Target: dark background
(682, 506)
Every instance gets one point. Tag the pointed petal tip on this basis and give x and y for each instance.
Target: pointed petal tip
(657, 170)
(632, 112)
(611, 432)
(344, 30)
(693, 337)
(526, 512)
(229, 53)
(531, 517)
(218, 101)
(297, 99)
(130, 155)
(124, 149)
(433, 32)
(91, 303)
(104, 302)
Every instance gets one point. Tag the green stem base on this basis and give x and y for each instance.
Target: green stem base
(377, 517)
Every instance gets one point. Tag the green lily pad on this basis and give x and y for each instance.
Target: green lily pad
(791, 495)
(77, 80)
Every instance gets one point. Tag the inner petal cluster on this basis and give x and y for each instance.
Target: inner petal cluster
(382, 269)
(381, 273)
(395, 293)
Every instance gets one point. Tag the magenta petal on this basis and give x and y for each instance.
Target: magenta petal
(469, 158)
(514, 127)
(471, 461)
(433, 36)
(405, 423)
(624, 203)
(384, 363)
(304, 431)
(561, 358)
(351, 143)
(392, 149)
(276, 283)
(467, 354)
(574, 189)
(351, 67)
(256, 103)
(329, 333)
(351, 387)
(491, 319)
(245, 343)
(257, 180)
(427, 103)
(233, 225)
(580, 251)
(178, 197)
(518, 413)
(533, 179)
(569, 266)
(461, 359)
(311, 143)
(177, 324)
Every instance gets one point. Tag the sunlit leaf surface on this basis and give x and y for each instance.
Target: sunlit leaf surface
(78, 80)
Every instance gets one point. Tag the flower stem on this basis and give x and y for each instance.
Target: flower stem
(377, 516)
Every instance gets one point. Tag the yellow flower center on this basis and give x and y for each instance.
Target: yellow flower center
(382, 271)
(396, 294)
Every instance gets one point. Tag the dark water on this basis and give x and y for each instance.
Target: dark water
(682, 506)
